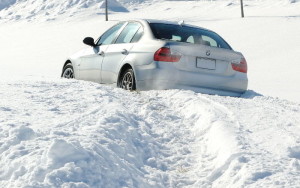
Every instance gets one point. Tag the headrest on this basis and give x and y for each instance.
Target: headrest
(165, 35)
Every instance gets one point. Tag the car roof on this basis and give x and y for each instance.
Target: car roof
(168, 22)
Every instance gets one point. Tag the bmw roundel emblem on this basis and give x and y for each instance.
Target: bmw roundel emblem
(208, 53)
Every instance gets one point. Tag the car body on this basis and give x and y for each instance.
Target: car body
(155, 54)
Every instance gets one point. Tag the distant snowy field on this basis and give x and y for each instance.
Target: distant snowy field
(268, 36)
(68, 133)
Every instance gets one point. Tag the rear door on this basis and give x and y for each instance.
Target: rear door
(116, 53)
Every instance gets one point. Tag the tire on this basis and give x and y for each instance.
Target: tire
(68, 71)
(127, 80)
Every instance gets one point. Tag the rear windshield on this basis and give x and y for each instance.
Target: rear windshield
(188, 35)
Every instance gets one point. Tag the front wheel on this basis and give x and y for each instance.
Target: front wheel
(68, 71)
(127, 80)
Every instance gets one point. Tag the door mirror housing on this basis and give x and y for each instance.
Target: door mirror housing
(89, 41)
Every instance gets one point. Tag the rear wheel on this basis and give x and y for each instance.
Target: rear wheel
(127, 80)
(68, 71)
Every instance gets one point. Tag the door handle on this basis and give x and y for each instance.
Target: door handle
(124, 51)
(101, 53)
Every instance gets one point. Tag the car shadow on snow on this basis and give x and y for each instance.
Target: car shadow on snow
(250, 94)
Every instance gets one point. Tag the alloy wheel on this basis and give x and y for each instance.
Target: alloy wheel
(127, 81)
(68, 73)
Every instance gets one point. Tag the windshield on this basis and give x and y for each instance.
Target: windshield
(188, 35)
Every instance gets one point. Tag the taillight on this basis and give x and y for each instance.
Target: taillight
(240, 67)
(164, 54)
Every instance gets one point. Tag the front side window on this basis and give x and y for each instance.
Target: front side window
(188, 34)
(128, 32)
(110, 35)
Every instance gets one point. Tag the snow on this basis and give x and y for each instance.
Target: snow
(114, 6)
(152, 139)
(68, 133)
(32, 10)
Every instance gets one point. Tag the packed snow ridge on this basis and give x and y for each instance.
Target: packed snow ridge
(89, 135)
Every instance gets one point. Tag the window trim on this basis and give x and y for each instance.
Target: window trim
(117, 34)
(125, 23)
(137, 32)
(138, 23)
(193, 27)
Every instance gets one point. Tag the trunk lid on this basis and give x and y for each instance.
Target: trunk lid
(205, 59)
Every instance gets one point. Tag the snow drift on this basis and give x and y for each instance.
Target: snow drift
(113, 5)
(31, 10)
(61, 133)
(6, 3)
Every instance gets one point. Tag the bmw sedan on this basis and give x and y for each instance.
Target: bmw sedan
(154, 54)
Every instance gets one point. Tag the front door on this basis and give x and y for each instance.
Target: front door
(90, 64)
(91, 61)
(116, 53)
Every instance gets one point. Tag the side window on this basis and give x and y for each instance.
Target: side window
(176, 38)
(128, 32)
(109, 36)
(138, 35)
(209, 41)
(190, 39)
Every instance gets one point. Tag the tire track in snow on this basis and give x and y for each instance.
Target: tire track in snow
(220, 138)
(212, 139)
(173, 160)
(237, 157)
(272, 127)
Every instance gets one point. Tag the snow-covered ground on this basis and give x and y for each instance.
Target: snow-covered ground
(62, 133)
(69, 133)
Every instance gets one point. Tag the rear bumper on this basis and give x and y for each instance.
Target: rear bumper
(167, 76)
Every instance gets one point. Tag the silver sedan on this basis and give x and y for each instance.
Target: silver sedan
(153, 54)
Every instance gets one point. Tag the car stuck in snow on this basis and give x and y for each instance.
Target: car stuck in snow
(155, 54)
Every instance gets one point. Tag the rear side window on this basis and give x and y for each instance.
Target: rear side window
(188, 34)
(110, 35)
(138, 35)
(128, 33)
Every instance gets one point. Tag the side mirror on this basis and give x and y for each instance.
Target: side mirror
(89, 41)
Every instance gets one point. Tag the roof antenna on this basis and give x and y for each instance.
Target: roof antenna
(181, 22)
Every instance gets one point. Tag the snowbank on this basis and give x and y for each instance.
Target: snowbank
(293, 1)
(113, 5)
(31, 10)
(62, 133)
(6, 3)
